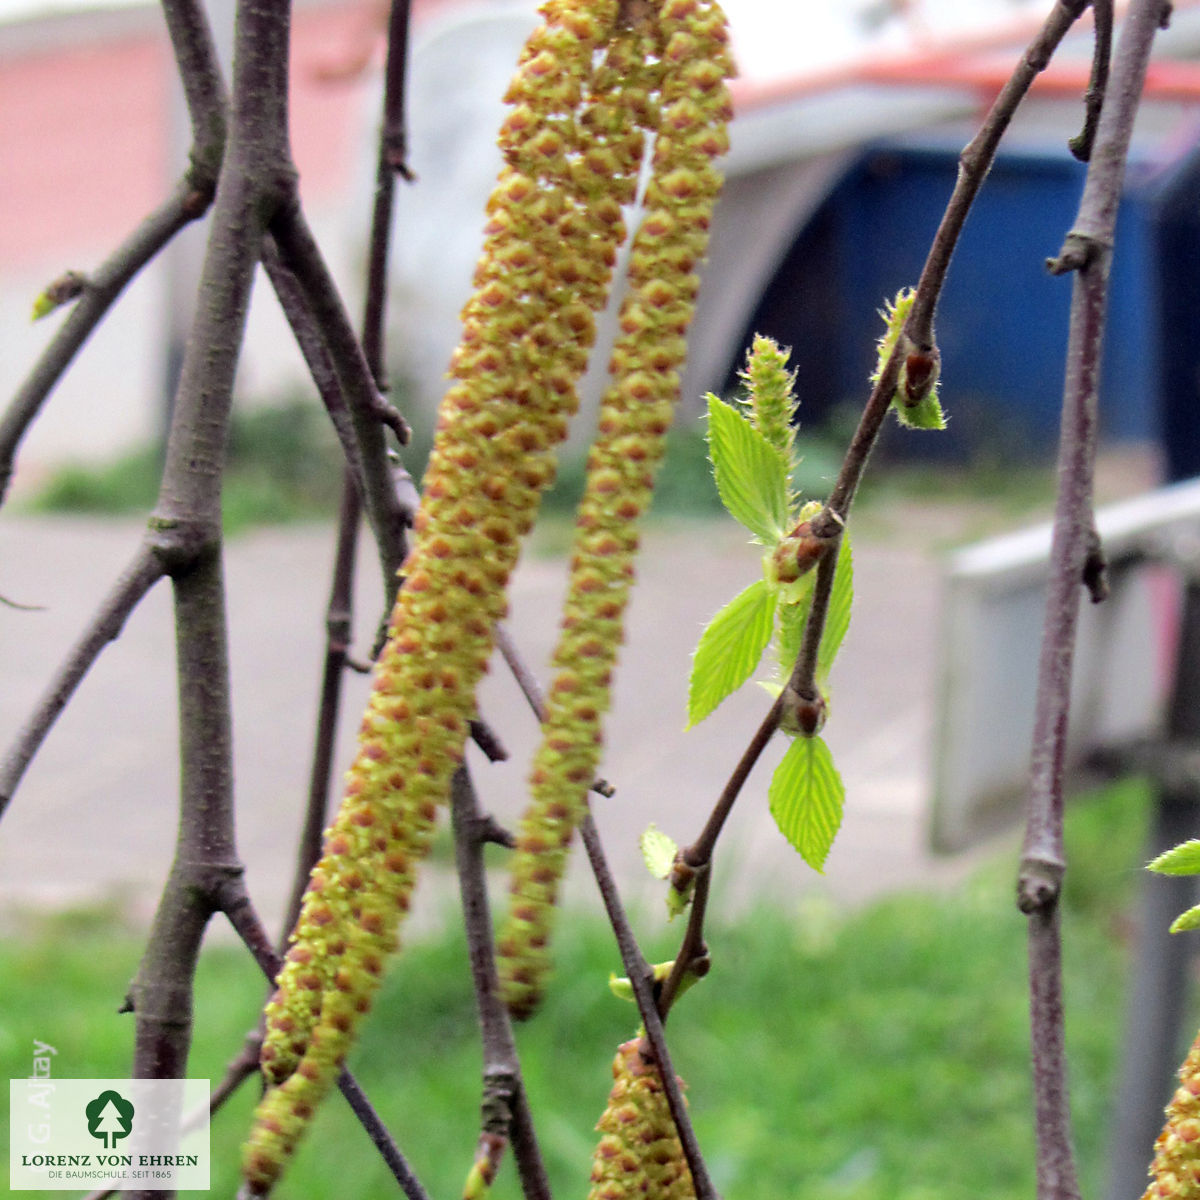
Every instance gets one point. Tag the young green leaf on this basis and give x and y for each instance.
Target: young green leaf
(1187, 921)
(837, 619)
(658, 851)
(1183, 859)
(750, 476)
(730, 648)
(792, 618)
(925, 414)
(806, 799)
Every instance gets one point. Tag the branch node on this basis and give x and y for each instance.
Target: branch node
(1078, 252)
(67, 287)
(389, 415)
(1039, 884)
(406, 490)
(489, 830)
(828, 523)
(1095, 568)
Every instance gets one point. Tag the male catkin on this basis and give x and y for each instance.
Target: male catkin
(639, 1153)
(689, 63)
(554, 224)
(1176, 1166)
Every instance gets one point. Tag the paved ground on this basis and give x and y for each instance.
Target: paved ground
(94, 817)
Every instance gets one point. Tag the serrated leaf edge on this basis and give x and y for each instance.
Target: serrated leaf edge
(1183, 859)
(762, 618)
(814, 746)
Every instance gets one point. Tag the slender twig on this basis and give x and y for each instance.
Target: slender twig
(974, 163)
(692, 949)
(199, 71)
(527, 681)
(1088, 252)
(369, 1119)
(1093, 99)
(390, 162)
(532, 690)
(302, 256)
(311, 342)
(105, 626)
(338, 617)
(339, 613)
(190, 199)
(243, 1066)
(802, 680)
(488, 740)
(504, 1089)
(699, 853)
(641, 977)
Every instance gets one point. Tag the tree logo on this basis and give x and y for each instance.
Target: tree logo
(109, 1118)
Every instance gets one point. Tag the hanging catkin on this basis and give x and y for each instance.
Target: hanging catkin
(554, 225)
(1176, 1166)
(688, 112)
(639, 1153)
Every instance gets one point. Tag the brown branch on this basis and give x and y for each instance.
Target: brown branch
(199, 71)
(974, 164)
(1087, 251)
(311, 342)
(301, 255)
(699, 853)
(390, 162)
(803, 677)
(505, 1105)
(531, 689)
(257, 178)
(641, 977)
(337, 645)
(106, 625)
(339, 613)
(692, 950)
(1093, 100)
(191, 198)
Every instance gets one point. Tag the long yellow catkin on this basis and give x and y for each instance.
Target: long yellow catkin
(639, 1153)
(689, 66)
(553, 230)
(1176, 1166)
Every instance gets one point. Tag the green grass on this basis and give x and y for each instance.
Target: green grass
(877, 1054)
(284, 464)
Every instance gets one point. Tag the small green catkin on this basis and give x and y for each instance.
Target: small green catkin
(1176, 1166)
(553, 229)
(770, 388)
(639, 1153)
(690, 66)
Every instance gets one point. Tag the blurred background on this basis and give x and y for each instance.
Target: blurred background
(849, 122)
(878, 1010)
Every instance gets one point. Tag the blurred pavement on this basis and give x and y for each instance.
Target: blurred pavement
(95, 814)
